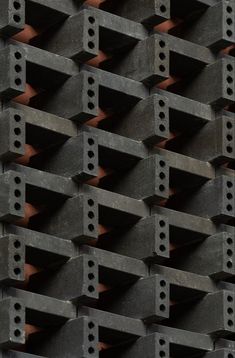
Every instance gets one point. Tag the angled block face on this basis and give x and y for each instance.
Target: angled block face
(12, 18)
(84, 44)
(76, 220)
(83, 331)
(149, 12)
(77, 158)
(80, 107)
(76, 280)
(13, 72)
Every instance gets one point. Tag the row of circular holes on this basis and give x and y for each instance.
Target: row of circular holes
(229, 137)
(17, 257)
(91, 214)
(162, 55)
(229, 252)
(17, 319)
(17, 193)
(90, 93)
(162, 343)
(162, 296)
(17, 131)
(91, 276)
(90, 153)
(18, 68)
(229, 21)
(91, 33)
(229, 79)
(91, 336)
(229, 195)
(162, 235)
(17, 6)
(162, 175)
(162, 115)
(230, 310)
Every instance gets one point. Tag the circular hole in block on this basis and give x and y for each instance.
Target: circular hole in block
(91, 32)
(229, 207)
(17, 193)
(162, 175)
(17, 271)
(18, 81)
(91, 276)
(229, 9)
(18, 55)
(91, 80)
(229, 241)
(229, 149)
(229, 33)
(163, 8)
(161, 103)
(162, 115)
(162, 235)
(162, 308)
(162, 43)
(91, 166)
(91, 227)
(17, 244)
(162, 283)
(17, 117)
(17, 306)
(90, 93)
(162, 223)
(91, 154)
(230, 310)
(91, 325)
(91, 202)
(17, 319)
(16, 5)
(91, 337)
(17, 206)
(229, 264)
(229, 184)
(91, 105)
(229, 125)
(162, 163)
(162, 354)
(229, 298)
(162, 56)
(162, 248)
(17, 144)
(161, 187)
(91, 263)
(18, 68)
(162, 295)
(162, 68)
(162, 128)
(229, 91)
(229, 137)
(91, 45)
(91, 288)
(229, 67)
(17, 180)
(162, 342)
(17, 131)
(230, 252)
(229, 21)
(17, 18)
(91, 215)
(229, 79)
(230, 323)
(91, 19)
(17, 333)
(17, 258)
(91, 141)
